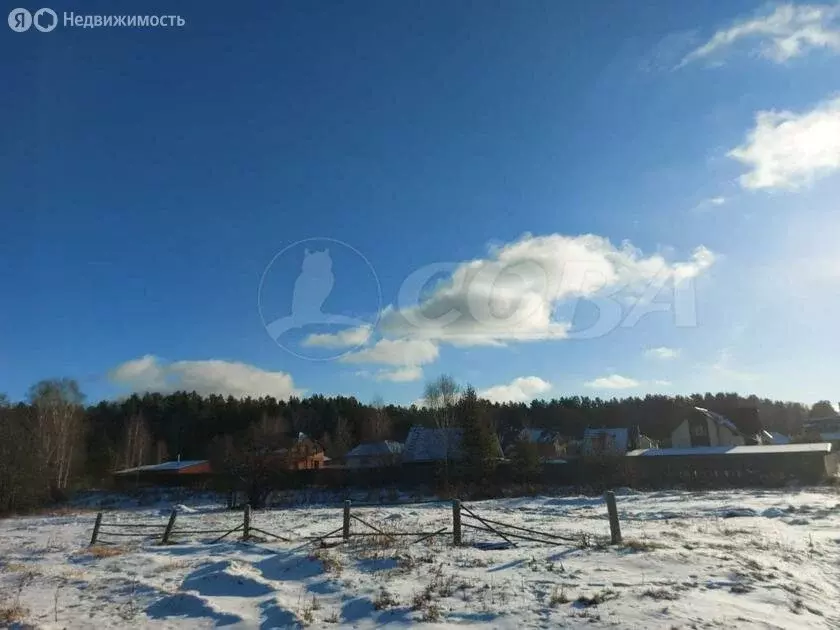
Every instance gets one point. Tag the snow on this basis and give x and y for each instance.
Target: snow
(734, 450)
(743, 558)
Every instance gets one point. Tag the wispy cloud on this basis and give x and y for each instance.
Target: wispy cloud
(400, 375)
(613, 381)
(227, 378)
(724, 365)
(520, 389)
(790, 150)
(400, 352)
(664, 353)
(789, 31)
(710, 204)
(349, 338)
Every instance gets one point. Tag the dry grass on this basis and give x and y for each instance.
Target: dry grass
(558, 597)
(642, 544)
(598, 598)
(102, 551)
(384, 600)
(329, 561)
(13, 567)
(660, 594)
(12, 614)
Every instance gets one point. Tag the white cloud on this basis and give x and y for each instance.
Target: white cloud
(402, 352)
(662, 352)
(150, 374)
(513, 293)
(789, 150)
(613, 381)
(520, 389)
(708, 204)
(662, 383)
(401, 375)
(349, 338)
(787, 32)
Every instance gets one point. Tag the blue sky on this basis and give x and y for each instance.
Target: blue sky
(150, 176)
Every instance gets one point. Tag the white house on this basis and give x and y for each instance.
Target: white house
(702, 427)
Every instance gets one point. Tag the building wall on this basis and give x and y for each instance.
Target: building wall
(718, 435)
(681, 436)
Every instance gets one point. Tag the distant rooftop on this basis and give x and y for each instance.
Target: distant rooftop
(823, 447)
(163, 467)
(376, 449)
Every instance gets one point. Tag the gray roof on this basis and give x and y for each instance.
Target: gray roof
(426, 445)
(733, 450)
(376, 449)
(541, 436)
(164, 467)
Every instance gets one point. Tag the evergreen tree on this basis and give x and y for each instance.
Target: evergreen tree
(479, 442)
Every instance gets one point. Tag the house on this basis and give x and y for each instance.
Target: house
(303, 454)
(613, 441)
(702, 427)
(186, 472)
(425, 444)
(823, 429)
(374, 454)
(550, 445)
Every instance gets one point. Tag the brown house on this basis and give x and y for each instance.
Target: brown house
(304, 454)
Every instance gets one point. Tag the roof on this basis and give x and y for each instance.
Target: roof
(164, 467)
(376, 449)
(817, 447)
(424, 444)
(618, 438)
(718, 419)
(829, 424)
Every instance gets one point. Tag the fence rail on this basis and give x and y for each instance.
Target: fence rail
(463, 517)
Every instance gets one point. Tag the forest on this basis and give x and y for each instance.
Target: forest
(53, 443)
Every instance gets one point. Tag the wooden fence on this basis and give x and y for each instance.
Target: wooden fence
(463, 517)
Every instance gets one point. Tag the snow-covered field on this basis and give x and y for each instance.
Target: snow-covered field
(745, 559)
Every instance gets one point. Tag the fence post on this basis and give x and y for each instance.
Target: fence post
(345, 529)
(456, 522)
(169, 527)
(612, 510)
(96, 528)
(246, 522)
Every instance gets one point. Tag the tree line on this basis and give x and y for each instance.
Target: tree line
(53, 442)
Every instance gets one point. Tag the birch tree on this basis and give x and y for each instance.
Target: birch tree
(59, 426)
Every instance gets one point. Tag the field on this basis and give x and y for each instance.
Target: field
(746, 559)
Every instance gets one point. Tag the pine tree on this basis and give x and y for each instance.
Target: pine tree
(479, 442)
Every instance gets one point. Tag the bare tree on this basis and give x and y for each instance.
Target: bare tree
(59, 424)
(136, 448)
(254, 460)
(441, 396)
(377, 423)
